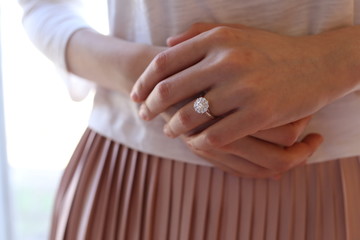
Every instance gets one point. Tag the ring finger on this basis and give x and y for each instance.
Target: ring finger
(187, 118)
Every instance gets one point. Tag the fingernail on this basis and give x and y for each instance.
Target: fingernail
(143, 112)
(168, 131)
(134, 96)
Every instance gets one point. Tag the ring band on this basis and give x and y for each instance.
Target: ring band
(201, 105)
(209, 114)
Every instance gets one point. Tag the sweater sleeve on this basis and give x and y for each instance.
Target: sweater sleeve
(50, 24)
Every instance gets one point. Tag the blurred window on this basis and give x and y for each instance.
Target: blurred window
(43, 125)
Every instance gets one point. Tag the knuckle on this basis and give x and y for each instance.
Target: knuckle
(222, 31)
(212, 140)
(163, 90)
(219, 34)
(236, 59)
(184, 118)
(160, 62)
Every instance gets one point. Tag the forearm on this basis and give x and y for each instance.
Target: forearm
(108, 61)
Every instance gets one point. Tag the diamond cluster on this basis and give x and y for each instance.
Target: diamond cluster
(201, 105)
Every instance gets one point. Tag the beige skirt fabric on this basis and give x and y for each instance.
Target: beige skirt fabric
(110, 191)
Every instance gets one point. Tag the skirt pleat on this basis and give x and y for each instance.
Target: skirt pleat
(351, 190)
(258, 224)
(109, 231)
(246, 209)
(176, 199)
(110, 191)
(300, 195)
(162, 204)
(201, 204)
(273, 210)
(287, 200)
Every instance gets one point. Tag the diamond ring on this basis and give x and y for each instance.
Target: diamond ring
(201, 105)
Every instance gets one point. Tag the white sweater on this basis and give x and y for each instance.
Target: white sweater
(50, 23)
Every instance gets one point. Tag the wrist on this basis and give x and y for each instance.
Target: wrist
(87, 55)
(342, 60)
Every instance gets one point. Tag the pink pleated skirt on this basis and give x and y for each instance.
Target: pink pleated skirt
(110, 191)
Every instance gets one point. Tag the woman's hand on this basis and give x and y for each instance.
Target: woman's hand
(285, 135)
(267, 153)
(254, 80)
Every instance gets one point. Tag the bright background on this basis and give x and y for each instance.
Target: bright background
(42, 124)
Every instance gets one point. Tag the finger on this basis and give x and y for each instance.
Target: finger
(187, 119)
(272, 156)
(183, 85)
(235, 165)
(285, 135)
(167, 63)
(190, 82)
(196, 29)
(234, 126)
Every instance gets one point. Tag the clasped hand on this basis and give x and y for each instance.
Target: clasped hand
(261, 86)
